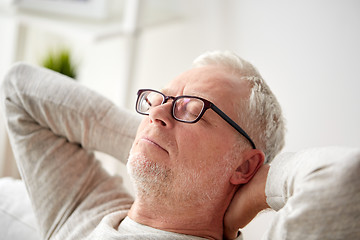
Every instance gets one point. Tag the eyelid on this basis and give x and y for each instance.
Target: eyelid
(164, 91)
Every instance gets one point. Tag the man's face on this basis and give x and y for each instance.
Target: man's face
(191, 161)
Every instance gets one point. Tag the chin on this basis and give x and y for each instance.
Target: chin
(148, 177)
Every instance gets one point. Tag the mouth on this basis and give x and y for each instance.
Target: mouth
(153, 143)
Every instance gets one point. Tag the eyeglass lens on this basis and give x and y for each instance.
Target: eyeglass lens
(148, 100)
(187, 109)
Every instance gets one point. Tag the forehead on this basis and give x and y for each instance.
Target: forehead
(215, 83)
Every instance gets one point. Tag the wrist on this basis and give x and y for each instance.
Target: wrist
(261, 185)
(231, 233)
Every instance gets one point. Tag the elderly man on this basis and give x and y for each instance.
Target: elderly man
(189, 157)
(196, 161)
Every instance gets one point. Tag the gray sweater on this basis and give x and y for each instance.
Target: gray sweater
(55, 125)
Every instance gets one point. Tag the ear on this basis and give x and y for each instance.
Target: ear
(251, 162)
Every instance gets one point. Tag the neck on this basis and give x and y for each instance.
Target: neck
(205, 220)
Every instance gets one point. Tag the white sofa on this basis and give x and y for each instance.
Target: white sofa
(17, 220)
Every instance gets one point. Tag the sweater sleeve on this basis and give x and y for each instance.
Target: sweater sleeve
(316, 194)
(54, 125)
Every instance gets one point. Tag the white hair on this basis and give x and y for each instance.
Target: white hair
(260, 116)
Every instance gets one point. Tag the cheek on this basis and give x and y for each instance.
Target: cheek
(201, 150)
(142, 125)
(139, 130)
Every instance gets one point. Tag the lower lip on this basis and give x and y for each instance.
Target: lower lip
(153, 143)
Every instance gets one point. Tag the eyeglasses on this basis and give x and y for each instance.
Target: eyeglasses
(187, 109)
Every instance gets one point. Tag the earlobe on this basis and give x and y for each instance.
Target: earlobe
(252, 161)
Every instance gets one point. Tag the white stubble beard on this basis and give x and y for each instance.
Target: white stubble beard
(156, 181)
(148, 177)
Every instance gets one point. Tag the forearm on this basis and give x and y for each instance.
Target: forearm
(70, 110)
(316, 194)
(54, 124)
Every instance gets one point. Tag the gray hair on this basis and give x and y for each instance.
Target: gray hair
(260, 116)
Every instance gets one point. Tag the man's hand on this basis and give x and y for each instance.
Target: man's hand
(248, 201)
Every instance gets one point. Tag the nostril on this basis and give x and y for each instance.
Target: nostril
(163, 123)
(158, 121)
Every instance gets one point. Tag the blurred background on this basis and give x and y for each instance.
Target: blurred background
(308, 51)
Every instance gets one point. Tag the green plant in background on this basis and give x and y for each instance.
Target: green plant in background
(60, 61)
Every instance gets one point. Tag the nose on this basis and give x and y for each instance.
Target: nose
(162, 115)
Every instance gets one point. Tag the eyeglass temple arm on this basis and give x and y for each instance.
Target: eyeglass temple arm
(233, 124)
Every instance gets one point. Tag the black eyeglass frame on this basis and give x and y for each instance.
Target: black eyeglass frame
(207, 105)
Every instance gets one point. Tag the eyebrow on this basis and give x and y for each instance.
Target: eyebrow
(166, 92)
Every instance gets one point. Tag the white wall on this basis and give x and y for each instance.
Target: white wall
(308, 51)
(7, 45)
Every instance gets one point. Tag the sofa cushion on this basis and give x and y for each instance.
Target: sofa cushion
(17, 220)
